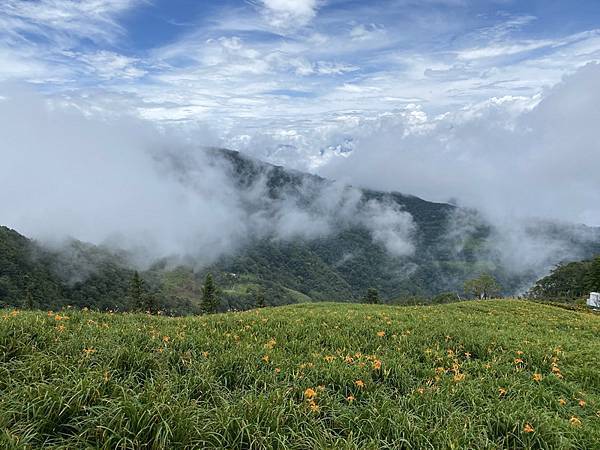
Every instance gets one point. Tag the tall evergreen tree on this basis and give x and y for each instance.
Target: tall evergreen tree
(210, 296)
(372, 296)
(136, 292)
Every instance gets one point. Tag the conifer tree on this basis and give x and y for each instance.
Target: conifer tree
(210, 296)
(136, 292)
(372, 296)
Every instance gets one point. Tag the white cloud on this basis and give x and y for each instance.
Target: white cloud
(512, 156)
(285, 14)
(503, 50)
(92, 19)
(390, 226)
(284, 83)
(22, 66)
(334, 68)
(109, 65)
(119, 181)
(39, 37)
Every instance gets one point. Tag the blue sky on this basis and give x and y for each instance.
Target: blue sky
(305, 83)
(278, 57)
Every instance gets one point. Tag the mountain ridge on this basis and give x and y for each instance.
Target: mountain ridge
(440, 247)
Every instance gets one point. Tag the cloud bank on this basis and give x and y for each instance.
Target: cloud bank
(445, 99)
(123, 183)
(511, 157)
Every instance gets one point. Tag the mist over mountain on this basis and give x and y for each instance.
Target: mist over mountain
(511, 157)
(299, 236)
(299, 224)
(170, 202)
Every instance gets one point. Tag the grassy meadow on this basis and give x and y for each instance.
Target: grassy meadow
(485, 374)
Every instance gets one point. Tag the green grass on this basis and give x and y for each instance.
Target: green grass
(298, 296)
(242, 289)
(450, 377)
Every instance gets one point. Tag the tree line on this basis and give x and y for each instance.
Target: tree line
(566, 282)
(569, 281)
(142, 300)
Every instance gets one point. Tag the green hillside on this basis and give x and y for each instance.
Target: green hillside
(485, 374)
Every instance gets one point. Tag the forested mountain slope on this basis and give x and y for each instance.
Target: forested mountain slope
(441, 246)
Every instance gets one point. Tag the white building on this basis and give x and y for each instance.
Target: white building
(594, 300)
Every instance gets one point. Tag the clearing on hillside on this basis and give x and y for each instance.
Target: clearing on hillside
(491, 374)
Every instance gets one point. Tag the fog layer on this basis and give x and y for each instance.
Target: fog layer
(119, 181)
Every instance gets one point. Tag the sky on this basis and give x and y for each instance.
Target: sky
(492, 104)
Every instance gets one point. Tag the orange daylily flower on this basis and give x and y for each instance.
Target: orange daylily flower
(310, 393)
(528, 428)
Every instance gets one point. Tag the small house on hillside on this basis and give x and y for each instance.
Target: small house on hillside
(594, 300)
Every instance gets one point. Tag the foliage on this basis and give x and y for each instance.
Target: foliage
(258, 294)
(593, 275)
(372, 296)
(140, 299)
(445, 297)
(483, 287)
(29, 301)
(566, 282)
(210, 296)
(494, 374)
(136, 292)
(22, 270)
(340, 266)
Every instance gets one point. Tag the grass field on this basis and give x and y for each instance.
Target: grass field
(493, 374)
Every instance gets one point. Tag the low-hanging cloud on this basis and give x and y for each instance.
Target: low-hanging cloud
(390, 226)
(64, 174)
(121, 182)
(525, 164)
(523, 157)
